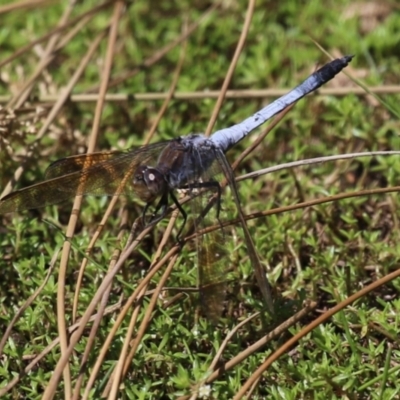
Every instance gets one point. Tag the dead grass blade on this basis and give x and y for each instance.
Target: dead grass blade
(62, 327)
(213, 94)
(102, 306)
(107, 281)
(54, 111)
(307, 329)
(34, 363)
(58, 29)
(298, 206)
(216, 371)
(135, 298)
(257, 346)
(125, 359)
(20, 98)
(317, 160)
(27, 303)
(232, 66)
(100, 227)
(161, 53)
(24, 4)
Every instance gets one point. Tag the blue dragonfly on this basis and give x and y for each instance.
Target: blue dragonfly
(154, 172)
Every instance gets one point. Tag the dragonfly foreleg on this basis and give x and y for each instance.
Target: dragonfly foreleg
(161, 205)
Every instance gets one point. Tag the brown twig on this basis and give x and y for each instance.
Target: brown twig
(214, 94)
(232, 66)
(318, 321)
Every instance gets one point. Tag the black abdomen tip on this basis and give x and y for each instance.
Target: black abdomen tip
(347, 58)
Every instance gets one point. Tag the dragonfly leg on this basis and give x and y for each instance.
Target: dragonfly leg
(215, 184)
(219, 194)
(146, 207)
(209, 184)
(162, 205)
(184, 215)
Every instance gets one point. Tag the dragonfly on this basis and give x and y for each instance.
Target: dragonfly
(154, 172)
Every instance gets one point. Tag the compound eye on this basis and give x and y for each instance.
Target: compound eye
(155, 181)
(148, 183)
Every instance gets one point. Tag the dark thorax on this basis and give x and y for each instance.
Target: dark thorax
(180, 165)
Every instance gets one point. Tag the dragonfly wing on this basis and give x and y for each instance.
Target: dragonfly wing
(213, 260)
(38, 195)
(78, 163)
(94, 174)
(260, 274)
(212, 270)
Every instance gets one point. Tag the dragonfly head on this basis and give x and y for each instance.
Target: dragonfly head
(149, 183)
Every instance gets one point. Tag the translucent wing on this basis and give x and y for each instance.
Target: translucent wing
(80, 162)
(212, 252)
(259, 271)
(212, 272)
(94, 174)
(213, 261)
